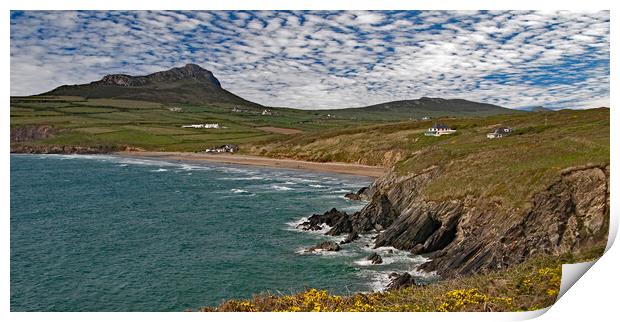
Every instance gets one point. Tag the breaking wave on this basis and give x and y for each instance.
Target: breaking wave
(281, 188)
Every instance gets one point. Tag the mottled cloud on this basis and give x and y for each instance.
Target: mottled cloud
(329, 59)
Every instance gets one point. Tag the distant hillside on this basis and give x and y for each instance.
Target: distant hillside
(535, 109)
(194, 85)
(425, 106)
(540, 109)
(190, 84)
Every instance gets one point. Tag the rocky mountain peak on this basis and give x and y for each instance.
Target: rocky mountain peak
(121, 80)
(187, 72)
(193, 68)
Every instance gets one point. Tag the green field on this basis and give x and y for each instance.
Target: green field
(152, 126)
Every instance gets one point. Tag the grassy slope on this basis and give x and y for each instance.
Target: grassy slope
(510, 168)
(531, 285)
(423, 107)
(152, 126)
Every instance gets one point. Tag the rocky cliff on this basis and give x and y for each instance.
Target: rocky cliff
(473, 234)
(31, 132)
(23, 141)
(67, 149)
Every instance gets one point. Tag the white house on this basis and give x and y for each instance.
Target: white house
(203, 126)
(439, 130)
(499, 132)
(226, 148)
(267, 112)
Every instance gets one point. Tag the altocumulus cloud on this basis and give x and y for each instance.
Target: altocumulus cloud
(329, 59)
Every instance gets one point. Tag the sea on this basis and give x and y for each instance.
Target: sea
(115, 233)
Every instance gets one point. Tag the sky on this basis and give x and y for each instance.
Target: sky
(329, 59)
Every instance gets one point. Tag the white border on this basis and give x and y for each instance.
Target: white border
(593, 296)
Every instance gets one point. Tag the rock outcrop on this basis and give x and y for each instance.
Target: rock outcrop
(375, 258)
(189, 71)
(473, 234)
(31, 132)
(350, 238)
(364, 194)
(376, 216)
(328, 246)
(329, 218)
(400, 281)
(69, 149)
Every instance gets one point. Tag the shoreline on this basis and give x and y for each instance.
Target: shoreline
(333, 167)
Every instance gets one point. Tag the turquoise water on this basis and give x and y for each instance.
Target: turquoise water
(108, 233)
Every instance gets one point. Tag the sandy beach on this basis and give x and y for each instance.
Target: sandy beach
(335, 167)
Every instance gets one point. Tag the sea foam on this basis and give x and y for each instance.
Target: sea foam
(281, 188)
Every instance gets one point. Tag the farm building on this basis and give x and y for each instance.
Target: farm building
(499, 133)
(438, 130)
(203, 126)
(226, 148)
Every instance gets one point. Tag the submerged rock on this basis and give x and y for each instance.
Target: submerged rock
(329, 218)
(350, 237)
(329, 246)
(309, 226)
(401, 281)
(375, 258)
(352, 196)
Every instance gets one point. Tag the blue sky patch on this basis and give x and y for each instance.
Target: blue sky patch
(329, 59)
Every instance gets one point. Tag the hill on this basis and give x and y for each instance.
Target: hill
(423, 107)
(540, 109)
(190, 84)
(535, 109)
(531, 158)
